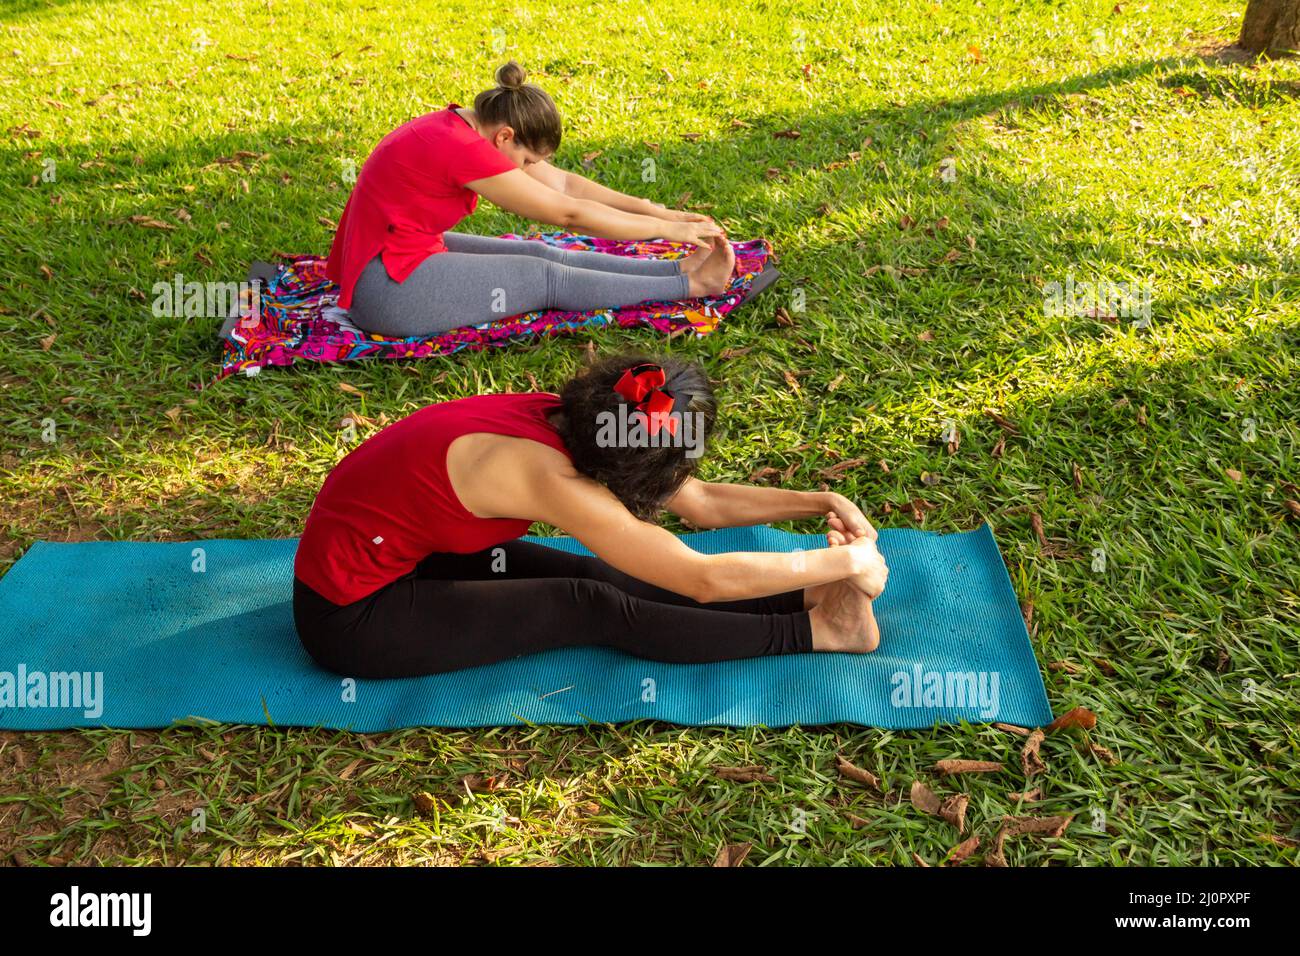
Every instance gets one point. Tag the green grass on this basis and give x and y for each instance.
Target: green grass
(1087, 143)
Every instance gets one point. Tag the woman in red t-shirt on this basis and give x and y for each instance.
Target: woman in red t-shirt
(403, 273)
(410, 561)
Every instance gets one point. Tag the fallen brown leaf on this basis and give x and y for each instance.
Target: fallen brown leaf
(751, 774)
(1077, 717)
(963, 850)
(856, 773)
(968, 766)
(1013, 729)
(1103, 753)
(924, 799)
(727, 354)
(424, 802)
(733, 854)
(1002, 422)
(1036, 522)
(1030, 759)
(1016, 826)
(953, 810)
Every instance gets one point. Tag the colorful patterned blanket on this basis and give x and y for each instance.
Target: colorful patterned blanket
(297, 318)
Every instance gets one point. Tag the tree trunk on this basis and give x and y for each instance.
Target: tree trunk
(1272, 26)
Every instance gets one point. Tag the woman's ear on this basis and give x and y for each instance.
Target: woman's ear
(503, 136)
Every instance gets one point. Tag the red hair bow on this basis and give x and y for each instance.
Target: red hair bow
(641, 385)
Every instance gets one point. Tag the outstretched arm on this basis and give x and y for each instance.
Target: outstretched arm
(720, 505)
(589, 512)
(517, 192)
(572, 184)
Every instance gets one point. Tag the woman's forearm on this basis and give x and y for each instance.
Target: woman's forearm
(582, 188)
(739, 575)
(597, 219)
(730, 506)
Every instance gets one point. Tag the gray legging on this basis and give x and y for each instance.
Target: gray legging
(483, 278)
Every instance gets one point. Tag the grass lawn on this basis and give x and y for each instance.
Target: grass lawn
(953, 161)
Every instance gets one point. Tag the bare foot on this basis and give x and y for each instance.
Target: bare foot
(844, 621)
(695, 259)
(714, 274)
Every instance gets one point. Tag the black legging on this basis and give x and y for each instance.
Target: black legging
(462, 610)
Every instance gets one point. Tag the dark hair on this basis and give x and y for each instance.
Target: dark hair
(642, 478)
(525, 108)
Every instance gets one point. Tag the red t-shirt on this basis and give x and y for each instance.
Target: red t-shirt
(389, 503)
(410, 191)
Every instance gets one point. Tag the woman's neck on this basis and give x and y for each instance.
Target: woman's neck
(469, 117)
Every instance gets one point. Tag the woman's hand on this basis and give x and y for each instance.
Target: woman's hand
(680, 215)
(848, 519)
(872, 573)
(696, 233)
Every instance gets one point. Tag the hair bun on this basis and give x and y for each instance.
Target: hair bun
(511, 76)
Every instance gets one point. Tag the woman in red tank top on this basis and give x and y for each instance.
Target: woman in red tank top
(410, 561)
(402, 273)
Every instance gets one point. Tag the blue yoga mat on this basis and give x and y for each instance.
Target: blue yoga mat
(168, 633)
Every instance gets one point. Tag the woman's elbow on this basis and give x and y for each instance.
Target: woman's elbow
(705, 586)
(571, 216)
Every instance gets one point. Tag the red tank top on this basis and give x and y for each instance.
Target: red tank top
(389, 503)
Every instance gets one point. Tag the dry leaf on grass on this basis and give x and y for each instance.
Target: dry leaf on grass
(1077, 717)
(1016, 826)
(1036, 522)
(1103, 753)
(923, 799)
(1012, 728)
(962, 851)
(916, 858)
(1029, 796)
(968, 766)
(1030, 759)
(752, 774)
(953, 810)
(733, 854)
(424, 802)
(853, 772)
(1003, 423)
